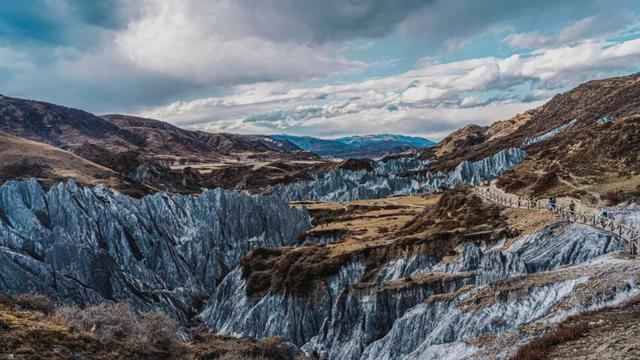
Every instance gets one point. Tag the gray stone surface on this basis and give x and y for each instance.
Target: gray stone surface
(90, 244)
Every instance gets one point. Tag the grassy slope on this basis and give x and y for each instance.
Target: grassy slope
(22, 159)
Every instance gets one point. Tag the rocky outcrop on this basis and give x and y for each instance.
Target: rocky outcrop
(547, 135)
(91, 244)
(345, 185)
(486, 169)
(390, 178)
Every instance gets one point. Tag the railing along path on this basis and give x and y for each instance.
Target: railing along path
(582, 214)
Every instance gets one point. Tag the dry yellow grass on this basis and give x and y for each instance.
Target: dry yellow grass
(384, 215)
(526, 222)
(424, 200)
(504, 128)
(30, 334)
(613, 183)
(368, 227)
(61, 163)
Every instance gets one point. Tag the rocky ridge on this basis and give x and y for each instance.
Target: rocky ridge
(92, 244)
(396, 176)
(593, 149)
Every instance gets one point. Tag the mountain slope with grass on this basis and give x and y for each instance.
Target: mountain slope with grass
(585, 142)
(22, 159)
(132, 154)
(162, 138)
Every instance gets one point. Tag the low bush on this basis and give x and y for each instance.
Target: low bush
(109, 321)
(36, 302)
(147, 333)
(155, 331)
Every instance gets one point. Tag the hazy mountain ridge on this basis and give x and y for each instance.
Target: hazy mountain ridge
(367, 146)
(164, 138)
(69, 128)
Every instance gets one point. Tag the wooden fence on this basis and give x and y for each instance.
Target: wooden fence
(581, 214)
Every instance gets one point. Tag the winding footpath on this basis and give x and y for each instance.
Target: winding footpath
(582, 214)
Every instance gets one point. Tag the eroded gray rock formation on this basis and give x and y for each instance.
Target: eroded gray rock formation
(548, 135)
(90, 244)
(378, 321)
(387, 178)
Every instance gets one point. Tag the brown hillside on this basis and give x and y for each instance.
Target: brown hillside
(588, 158)
(162, 138)
(23, 159)
(61, 126)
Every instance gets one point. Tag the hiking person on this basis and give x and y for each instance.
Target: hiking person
(531, 203)
(603, 216)
(572, 207)
(519, 201)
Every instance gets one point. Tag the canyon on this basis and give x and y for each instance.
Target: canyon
(389, 258)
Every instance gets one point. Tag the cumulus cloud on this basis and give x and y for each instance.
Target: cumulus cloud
(179, 48)
(431, 93)
(433, 123)
(299, 65)
(421, 94)
(205, 43)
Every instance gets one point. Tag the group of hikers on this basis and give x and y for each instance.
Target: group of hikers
(604, 215)
(533, 203)
(553, 203)
(603, 218)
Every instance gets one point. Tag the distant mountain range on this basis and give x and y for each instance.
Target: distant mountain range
(367, 146)
(71, 129)
(131, 154)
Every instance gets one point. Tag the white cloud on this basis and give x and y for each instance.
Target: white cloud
(212, 42)
(420, 94)
(433, 92)
(470, 101)
(561, 66)
(262, 60)
(529, 40)
(592, 27)
(433, 123)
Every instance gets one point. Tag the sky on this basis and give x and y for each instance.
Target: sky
(325, 68)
